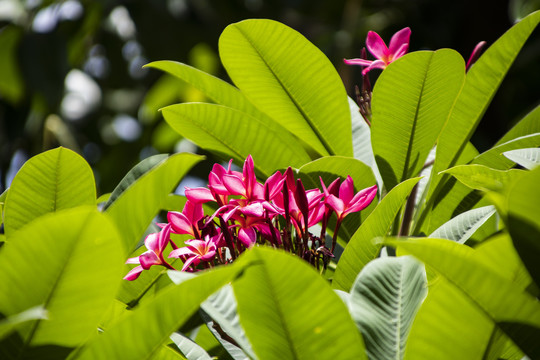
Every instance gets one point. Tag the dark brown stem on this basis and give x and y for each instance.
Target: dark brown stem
(407, 216)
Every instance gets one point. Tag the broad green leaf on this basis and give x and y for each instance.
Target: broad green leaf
(51, 181)
(494, 157)
(411, 102)
(216, 89)
(292, 81)
(481, 83)
(221, 307)
(515, 311)
(529, 158)
(463, 226)
(141, 334)
(189, 348)
(329, 168)
(384, 300)
(135, 173)
(133, 210)
(235, 134)
(524, 221)
(361, 249)
(52, 262)
(483, 178)
(361, 137)
(10, 323)
(290, 312)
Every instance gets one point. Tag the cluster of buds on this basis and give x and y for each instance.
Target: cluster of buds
(278, 213)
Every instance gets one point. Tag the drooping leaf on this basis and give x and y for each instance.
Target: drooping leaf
(463, 226)
(189, 348)
(236, 135)
(481, 83)
(141, 334)
(292, 81)
(411, 102)
(133, 210)
(290, 312)
(51, 181)
(52, 262)
(524, 221)
(135, 173)
(384, 300)
(221, 307)
(514, 310)
(529, 158)
(361, 249)
(483, 178)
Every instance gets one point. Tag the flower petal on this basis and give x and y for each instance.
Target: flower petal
(148, 259)
(361, 62)
(362, 199)
(134, 273)
(376, 45)
(377, 64)
(336, 204)
(180, 223)
(247, 236)
(398, 40)
(346, 190)
(234, 185)
(199, 194)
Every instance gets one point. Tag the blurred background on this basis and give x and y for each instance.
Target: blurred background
(71, 71)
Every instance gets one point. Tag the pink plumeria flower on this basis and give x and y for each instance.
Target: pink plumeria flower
(155, 243)
(186, 222)
(196, 251)
(349, 202)
(399, 44)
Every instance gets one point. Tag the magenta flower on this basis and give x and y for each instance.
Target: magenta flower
(349, 202)
(399, 44)
(186, 222)
(196, 251)
(155, 243)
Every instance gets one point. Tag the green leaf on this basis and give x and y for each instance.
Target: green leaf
(481, 83)
(51, 181)
(384, 300)
(463, 226)
(139, 203)
(500, 300)
(52, 262)
(11, 80)
(494, 157)
(189, 348)
(411, 102)
(290, 312)
(141, 334)
(216, 89)
(135, 173)
(483, 178)
(235, 134)
(11, 323)
(361, 249)
(529, 158)
(523, 220)
(222, 308)
(292, 81)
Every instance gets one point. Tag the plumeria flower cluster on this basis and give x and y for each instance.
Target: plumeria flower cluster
(278, 212)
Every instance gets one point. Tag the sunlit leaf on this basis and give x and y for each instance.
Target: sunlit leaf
(494, 157)
(411, 102)
(529, 158)
(515, 311)
(236, 135)
(52, 262)
(292, 81)
(51, 181)
(384, 300)
(361, 249)
(481, 83)
(11, 323)
(141, 334)
(463, 226)
(133, 210)
(189, 348)
(483, 178)
(290, 312)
